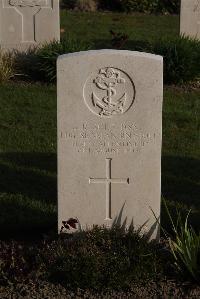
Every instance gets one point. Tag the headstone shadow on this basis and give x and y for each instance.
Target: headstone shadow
(29, 174)
(181, 189)
(180, 180)
(28, 192)
(21, 220)
(120, 222)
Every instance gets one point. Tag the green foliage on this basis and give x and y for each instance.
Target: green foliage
(138, 5)
(96, 259)
(47, 55)
(7, 64)
(101, 258)
(40, 64)
(28, 169)
(151, 6)
(16, 262)
(113, 5)
(82, 5)
(26, 64)
(181, 57)
(86, 5)
(118, 39)
(170, 6)
(147, 6)
(69, 4)
(185, 246)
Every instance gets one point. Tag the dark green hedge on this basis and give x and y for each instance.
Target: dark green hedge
(40, 64)
(181, 57)
(148, 6)
(102, 259)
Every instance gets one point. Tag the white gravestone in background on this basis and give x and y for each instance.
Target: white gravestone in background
(190, 18)
(25, 23)
(109, 138)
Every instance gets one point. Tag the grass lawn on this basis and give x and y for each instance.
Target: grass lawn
(28, 166)
(95, 27)
(28, 156)
(28, 198)
(37, 260)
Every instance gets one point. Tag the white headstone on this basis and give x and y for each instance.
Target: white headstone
(25, 23)
(190, 18)
(109, 138)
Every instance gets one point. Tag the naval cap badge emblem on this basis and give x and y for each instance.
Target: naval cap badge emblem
(24, 3)
(110, 92)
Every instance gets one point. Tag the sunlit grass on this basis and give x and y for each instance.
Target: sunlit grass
(28, 158)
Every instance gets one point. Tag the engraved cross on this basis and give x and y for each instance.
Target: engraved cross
(28, 9)
(108, 181)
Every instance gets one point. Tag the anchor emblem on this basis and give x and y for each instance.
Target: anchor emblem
(106, 80)
(109, 92)
(24, 3)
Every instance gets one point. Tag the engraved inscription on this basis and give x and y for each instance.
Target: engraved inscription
(110, 92)
(197, 6)
(108, 181)
(104, 138)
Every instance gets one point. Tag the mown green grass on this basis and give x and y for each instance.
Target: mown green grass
(181, 152)
(28, 157)
(182, 115)
(28, 167)
(28, 154)
(95, 27)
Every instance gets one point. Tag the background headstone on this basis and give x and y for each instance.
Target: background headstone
(109, 138)
(190, 18)
(24, 23)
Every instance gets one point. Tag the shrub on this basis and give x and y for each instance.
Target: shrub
(170, 6)
(68, 4)
(82, 5)
(47, 55)
(181, 57)
(150, 6)
(185, 246)
(101, 259)
(113, 5)
(186, 250)
(7, 63)
(17, 262)
(40, 64)
(86, 5)
(119, 39)
(138, 5)
(26, 64)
